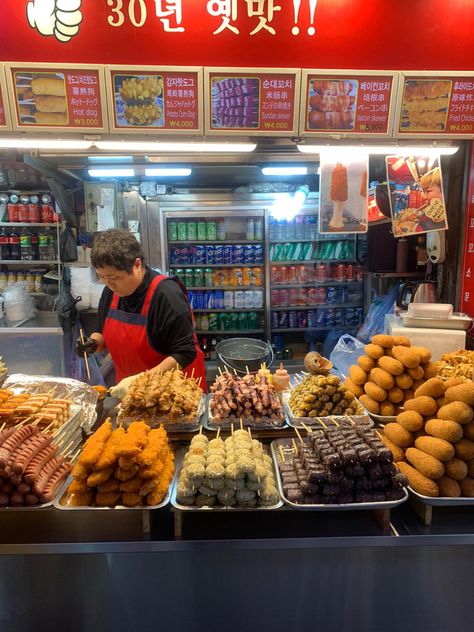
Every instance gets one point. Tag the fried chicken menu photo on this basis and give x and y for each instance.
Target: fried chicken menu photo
(416, 194)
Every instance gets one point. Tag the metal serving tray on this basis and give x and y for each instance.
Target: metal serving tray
(443, 501)
(381, 420)
(219, 508)
(265, 424)
(287, 446)
(320, 422)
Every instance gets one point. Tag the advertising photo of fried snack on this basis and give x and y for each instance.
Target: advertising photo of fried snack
(41, 99)
(425, 105)
(138, 100)
(332, 104)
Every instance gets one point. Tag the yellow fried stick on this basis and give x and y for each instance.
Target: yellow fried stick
(107, 500)
(78, 487)
(80, 472)
(109, 457)
(153, 471)
(131, 486)
(135, 440)
(94, 445)
(127, 463)
(80, 500)
(100, 477)
(125, 475)
(157, 442)
(131, 500)
(109, 486)
(157, 494)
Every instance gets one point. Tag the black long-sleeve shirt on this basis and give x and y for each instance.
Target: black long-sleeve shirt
(169, 325)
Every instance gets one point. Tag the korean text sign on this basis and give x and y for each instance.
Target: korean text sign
(467, 291)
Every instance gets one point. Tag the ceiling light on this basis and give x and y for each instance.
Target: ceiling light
(39, 143)
(284, 171)
(176, 147)
(378, 149)
(111, 173)
(110, 158)
(168, 171)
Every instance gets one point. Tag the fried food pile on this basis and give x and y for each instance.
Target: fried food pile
(39, 409)
(425, 105)
(234, 473)
(31, 467)
(389, 373)
(169, 393)
(139, 96)
(251, 397)
(340, 465)
(131, 467)
(432, 441)
(456, 364)
(321, 396)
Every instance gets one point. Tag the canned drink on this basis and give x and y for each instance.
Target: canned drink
(283, 320)
(243, 321)
(275, 298)
(258, 250)
(211, 230)
(188, 277)
(179, 272)
(199, 254)
(191, 231)
(252, 320)
(221, 235)
(258, 299)
(302, 296)
(222, 321)
(340, 272)
(293, 319)
(182, 231)
(208, 299)
(219, 254)
(255, 276)
(278, 253)
(293, 296)
(320, 318)
(349, 317)
(360, 273)
(13, 212)
(238, 254)
(282, 274)
(289, 252)
(331, 295)
(191, 299)
(218, 300)
(239, 300)
(226, 276)
(312, 296)
(274, 320)
(210, 255)
(339, 318)
(350, 272)
(208, 277)
(248, 299)
(228, 300)
(321, 295)
(198, 277)
(273, 275)
(227, 253)
(213, 322)
(247, 276)
(307, 252)
(321, 273)
(311, 318)
(197, 321)
(186, 254)
(216, 277)
(304, 274)
(278, 342)
(249, 254)
(237, 276)
(359, 315)
(284, 299)
(302, 319)
(233, 321)
(23, 215)
(330, 317)
(204, 322)
(175, 256)
(198, 300)
(201, 230)
(292, 275)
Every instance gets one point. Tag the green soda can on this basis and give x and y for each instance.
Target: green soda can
(198, 277)
(211, 230)
(201, 230)
(191, 231)
(188, 277)
(208, 280)
(233, 321)
(252, 320)
(223, 322)
(172, 230)
(182, 231)
(213, 322)
(179, 272)
(243, 321)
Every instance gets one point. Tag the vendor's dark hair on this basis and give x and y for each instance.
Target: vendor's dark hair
(116, 248)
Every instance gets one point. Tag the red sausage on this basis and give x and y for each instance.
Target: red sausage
(6, 488)
(16, 479)
(17, 499)
(39, 442)
(14, 440)
(23, 489)
(46, 473)
(34, 467)
(54, 481)
(31, 499)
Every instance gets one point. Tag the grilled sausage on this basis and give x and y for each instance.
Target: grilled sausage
(35, 466)
(58, 476)
(13, 441)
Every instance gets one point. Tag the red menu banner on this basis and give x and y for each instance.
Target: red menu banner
(346, 103)
(467, 283)
(158, 99)
(49, 97)
(247, 101)
(439, 106)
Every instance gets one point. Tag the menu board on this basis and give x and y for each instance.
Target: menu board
(467, 287)
(4, 114)
(46, 97)
(347, 103)
(249, 100)
(439, 106)
(164, 100)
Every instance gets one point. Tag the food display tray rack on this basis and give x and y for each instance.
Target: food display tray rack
(170, 427)
(320, 422)
(287, 446)
(265, 424)
(443, 501)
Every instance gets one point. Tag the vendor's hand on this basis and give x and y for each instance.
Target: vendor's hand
(88, 347)
(121, 389)
(61, 18)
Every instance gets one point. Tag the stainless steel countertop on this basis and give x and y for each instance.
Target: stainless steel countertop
(42, 323)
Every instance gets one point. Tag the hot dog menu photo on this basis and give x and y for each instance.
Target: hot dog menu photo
(58, 98)
(161, 99)
(246, 100)
(347, 103)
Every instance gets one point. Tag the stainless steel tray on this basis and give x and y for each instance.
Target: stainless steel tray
(171, 427)
(287, 446)
(319, 422)
(443, 501)
(220, 508)
(381, 420)
(265, 424)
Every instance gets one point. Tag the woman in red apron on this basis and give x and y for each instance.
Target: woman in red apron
(145, 320)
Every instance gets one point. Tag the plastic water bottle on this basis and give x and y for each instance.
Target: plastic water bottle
(250, 235)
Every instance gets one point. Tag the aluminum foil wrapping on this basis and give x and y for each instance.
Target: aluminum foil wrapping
(177, 424)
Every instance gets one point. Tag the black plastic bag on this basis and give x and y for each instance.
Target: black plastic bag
(68, 246)
(67, 311)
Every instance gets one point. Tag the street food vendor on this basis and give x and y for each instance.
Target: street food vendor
(144, 318)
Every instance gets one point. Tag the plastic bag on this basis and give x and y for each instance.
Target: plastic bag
(346, 352)
(67, 312)
(67, 245)
(374, 322)
(77, 367)
(18, 303)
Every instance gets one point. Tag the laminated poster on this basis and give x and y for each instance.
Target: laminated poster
(343, 194)
(417, 199)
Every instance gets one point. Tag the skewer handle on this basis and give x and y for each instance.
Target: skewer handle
(86, 361)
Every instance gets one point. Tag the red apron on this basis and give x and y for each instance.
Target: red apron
(127, 341)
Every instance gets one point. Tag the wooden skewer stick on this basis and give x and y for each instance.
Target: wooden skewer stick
(68, 446)
(220, 371)
(307, 428)
(57, 431)
(86, 361)
(250, 432)
(3, 426)
(232, 429)
(299, 435)
(247, 369)
(192, 373)
(241, 424)
(199, 381)
(218, 432)
(282, 454)
(76, 454)
(200, 429)
(333, 419)
(322, 422)
(295, 448)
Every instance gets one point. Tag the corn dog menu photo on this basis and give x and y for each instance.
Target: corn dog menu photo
(348, 103)
(55, 98)
(261, 102)
(441, 105)
(158, 99)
